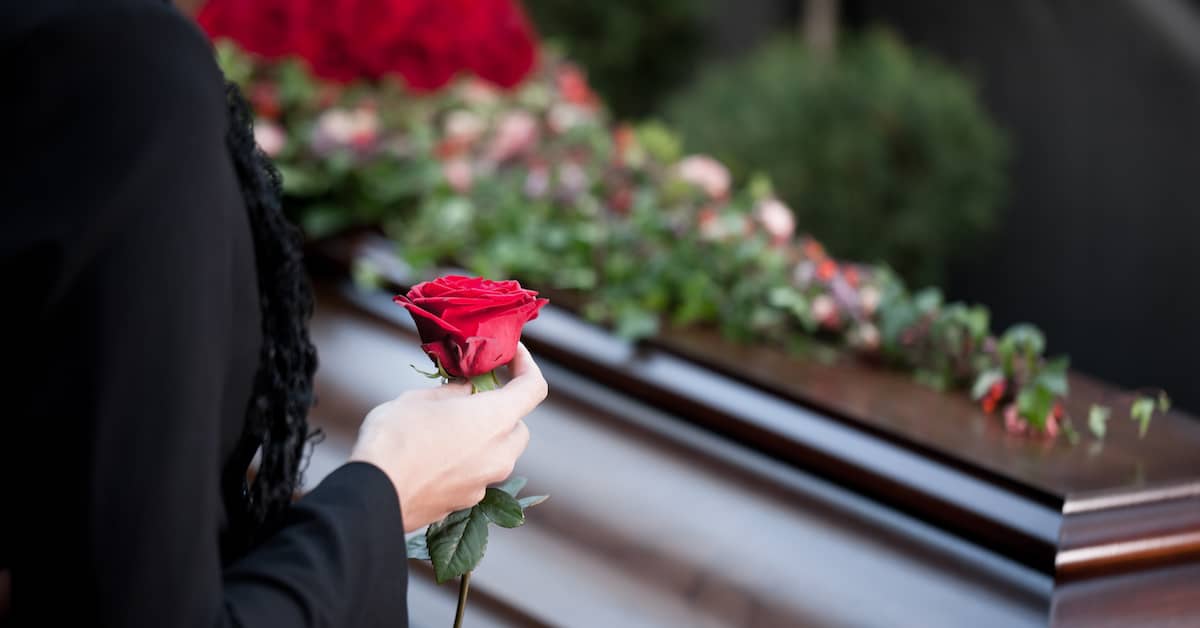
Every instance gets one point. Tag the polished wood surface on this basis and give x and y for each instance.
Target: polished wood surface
(951, 427)
(655, 522)
(1063, 509)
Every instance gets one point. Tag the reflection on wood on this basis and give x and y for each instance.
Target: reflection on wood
(653, 522)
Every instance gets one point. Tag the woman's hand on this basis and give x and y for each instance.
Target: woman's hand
(443, 446)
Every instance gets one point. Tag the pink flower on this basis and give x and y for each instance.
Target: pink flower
(706, 173)
(572, 179)
(341, 128)
(537, 182)
(458, 174)
(269, 137)
(777, 219)
(1013, 421)
(515, 134)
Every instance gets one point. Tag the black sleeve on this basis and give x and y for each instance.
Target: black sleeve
(129, 285)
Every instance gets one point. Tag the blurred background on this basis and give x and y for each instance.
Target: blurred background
(1094, 196)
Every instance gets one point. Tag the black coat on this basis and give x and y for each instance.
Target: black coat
(131, 336)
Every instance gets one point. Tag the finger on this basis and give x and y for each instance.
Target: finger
(527, 388)
(445, 391)
(516, 441)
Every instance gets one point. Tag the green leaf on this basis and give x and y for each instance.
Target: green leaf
(1142, 410)
(416, 547)
(1164, 402)
(984, 382)
(457, 543)
(502, 508)
(532, 500)
(513, 485)
(1053, 376)
(1034, 404)
(1098, 420)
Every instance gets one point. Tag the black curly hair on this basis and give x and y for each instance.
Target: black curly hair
(276, 418)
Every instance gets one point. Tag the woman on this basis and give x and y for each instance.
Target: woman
(155, 318)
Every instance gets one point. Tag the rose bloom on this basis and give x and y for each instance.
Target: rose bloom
(515, 134)
(458, 174)
(269, 137)
(706, 173)
(470, 326)
(777, 220)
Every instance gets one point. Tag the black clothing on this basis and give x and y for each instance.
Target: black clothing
(131, 333)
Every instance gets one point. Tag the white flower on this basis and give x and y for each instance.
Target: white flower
(563, 117)
(868, 298)
(477, 92)
(777, 219)
(706, 173)
(269, 137)
(824, 309)
(867, 336)
(463, 126)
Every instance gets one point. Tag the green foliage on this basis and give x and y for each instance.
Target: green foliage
(612, 217)
(455, 545)
(635, 51)
(1098, 420)
(885, 153)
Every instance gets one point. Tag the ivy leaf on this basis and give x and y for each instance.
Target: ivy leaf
(1098, 420)
(532, 500)
(457, 543)
(503, 509)
(984, 382)
(416, 547)
(1142, 410)
(513, 485)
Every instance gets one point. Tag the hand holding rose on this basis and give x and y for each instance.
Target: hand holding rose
(442, 446)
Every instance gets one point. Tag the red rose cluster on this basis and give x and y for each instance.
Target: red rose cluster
(425, 41)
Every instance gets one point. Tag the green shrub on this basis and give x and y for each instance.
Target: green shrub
(635, 52)
(884, 152)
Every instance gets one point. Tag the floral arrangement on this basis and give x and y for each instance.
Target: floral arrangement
(535, 182)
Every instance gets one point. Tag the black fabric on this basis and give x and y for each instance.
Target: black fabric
(131, 331)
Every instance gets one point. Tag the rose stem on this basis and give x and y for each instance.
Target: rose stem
(464, 584)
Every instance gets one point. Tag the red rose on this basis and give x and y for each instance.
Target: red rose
(265, 27)
(497, 41)
(470, 325)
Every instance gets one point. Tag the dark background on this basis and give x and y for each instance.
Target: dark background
(1097, 243)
